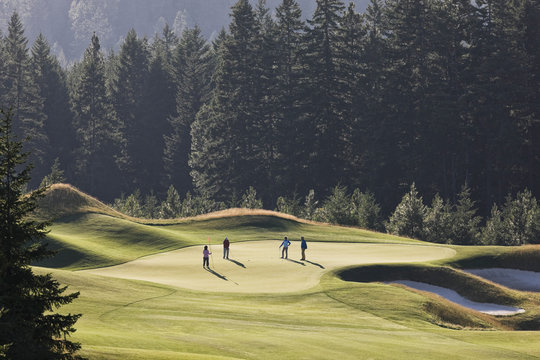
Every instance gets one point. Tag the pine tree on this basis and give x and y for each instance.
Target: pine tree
(97, 128)
(58, 127)
(292, 156)
(336, 208)
(28, 327)
(225, 136)
(127, 95)
(22, 94)
(365, 210)
(465, 222)
(171, 207)
(438, 224)
(325, 106)
(193, 77)
(409, 217)
(249, 199)
(56, 175)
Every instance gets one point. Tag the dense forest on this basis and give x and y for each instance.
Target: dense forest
(69, 24)
(444, 94)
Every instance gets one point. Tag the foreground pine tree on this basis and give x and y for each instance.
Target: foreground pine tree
(28, 327)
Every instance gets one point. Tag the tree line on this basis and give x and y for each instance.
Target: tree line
(515, 222)
(438, 93)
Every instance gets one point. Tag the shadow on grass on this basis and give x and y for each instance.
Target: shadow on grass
(237, 263)
(314, 263)
(296, 262)
(216, 274)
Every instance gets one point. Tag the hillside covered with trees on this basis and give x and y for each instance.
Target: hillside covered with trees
(438, 93)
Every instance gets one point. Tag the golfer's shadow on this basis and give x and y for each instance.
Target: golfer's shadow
(313, 263)
(237, 263)
(296, 262)
(222, 277)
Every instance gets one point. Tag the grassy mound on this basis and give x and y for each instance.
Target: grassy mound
(64, 200)
(89, 234)
(472, 287)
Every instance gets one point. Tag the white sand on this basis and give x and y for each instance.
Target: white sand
(256, 267)
(512, 278)
(451, 295)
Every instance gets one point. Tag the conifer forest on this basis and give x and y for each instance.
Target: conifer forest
(435, 99)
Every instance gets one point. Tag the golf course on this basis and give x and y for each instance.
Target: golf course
(144, 293)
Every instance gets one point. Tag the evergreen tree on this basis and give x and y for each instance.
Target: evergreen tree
(58, 126)
(310, 205)
(365, 210)
(22, 94)
(150, 209)
(249, 199)
(28, 327)
(225, 137)
(336, 208)
(292, 155)
(160, 105)
(438, 223)
(325, 106)
(521, 217)
(289, 205)
(465, 222)
(171, 207)
(56, 175)
(352, 80)
(409, 217)
(495, 231)
(127, 95)
(97, 128)
(193, 77)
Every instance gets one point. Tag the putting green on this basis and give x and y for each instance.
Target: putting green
(256, 266)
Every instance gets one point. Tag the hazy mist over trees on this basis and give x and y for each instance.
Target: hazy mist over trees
(68, 24)
(438, 98)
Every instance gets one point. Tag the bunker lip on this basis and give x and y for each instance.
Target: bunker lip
(516, 279)
(453, 296)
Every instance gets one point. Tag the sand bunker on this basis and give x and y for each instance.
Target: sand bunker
(451, 295)
(511, 278)
(256, 267)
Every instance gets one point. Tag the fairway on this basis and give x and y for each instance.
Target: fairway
(256, 266)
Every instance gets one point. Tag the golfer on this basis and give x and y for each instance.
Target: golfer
(285, 250)
(205, 258)
(226, 248)
(303, 245)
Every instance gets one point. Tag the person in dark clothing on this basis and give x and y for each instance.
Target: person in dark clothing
(303, 246)
(205, 259)
(226, 248)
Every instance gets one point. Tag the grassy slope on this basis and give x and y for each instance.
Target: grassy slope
(126, 319)
(135, 320)
(89, 234)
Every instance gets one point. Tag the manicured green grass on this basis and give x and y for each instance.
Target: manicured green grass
(91, 240)
(126, 319)
(335, 319)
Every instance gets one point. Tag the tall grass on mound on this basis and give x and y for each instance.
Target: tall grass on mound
(467, 285)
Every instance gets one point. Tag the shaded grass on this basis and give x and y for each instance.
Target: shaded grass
(126, 319)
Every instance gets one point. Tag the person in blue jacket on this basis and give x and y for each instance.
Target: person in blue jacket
(285, 250)
(303, 246)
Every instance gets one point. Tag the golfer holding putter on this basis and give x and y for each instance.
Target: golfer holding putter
(285, 250)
